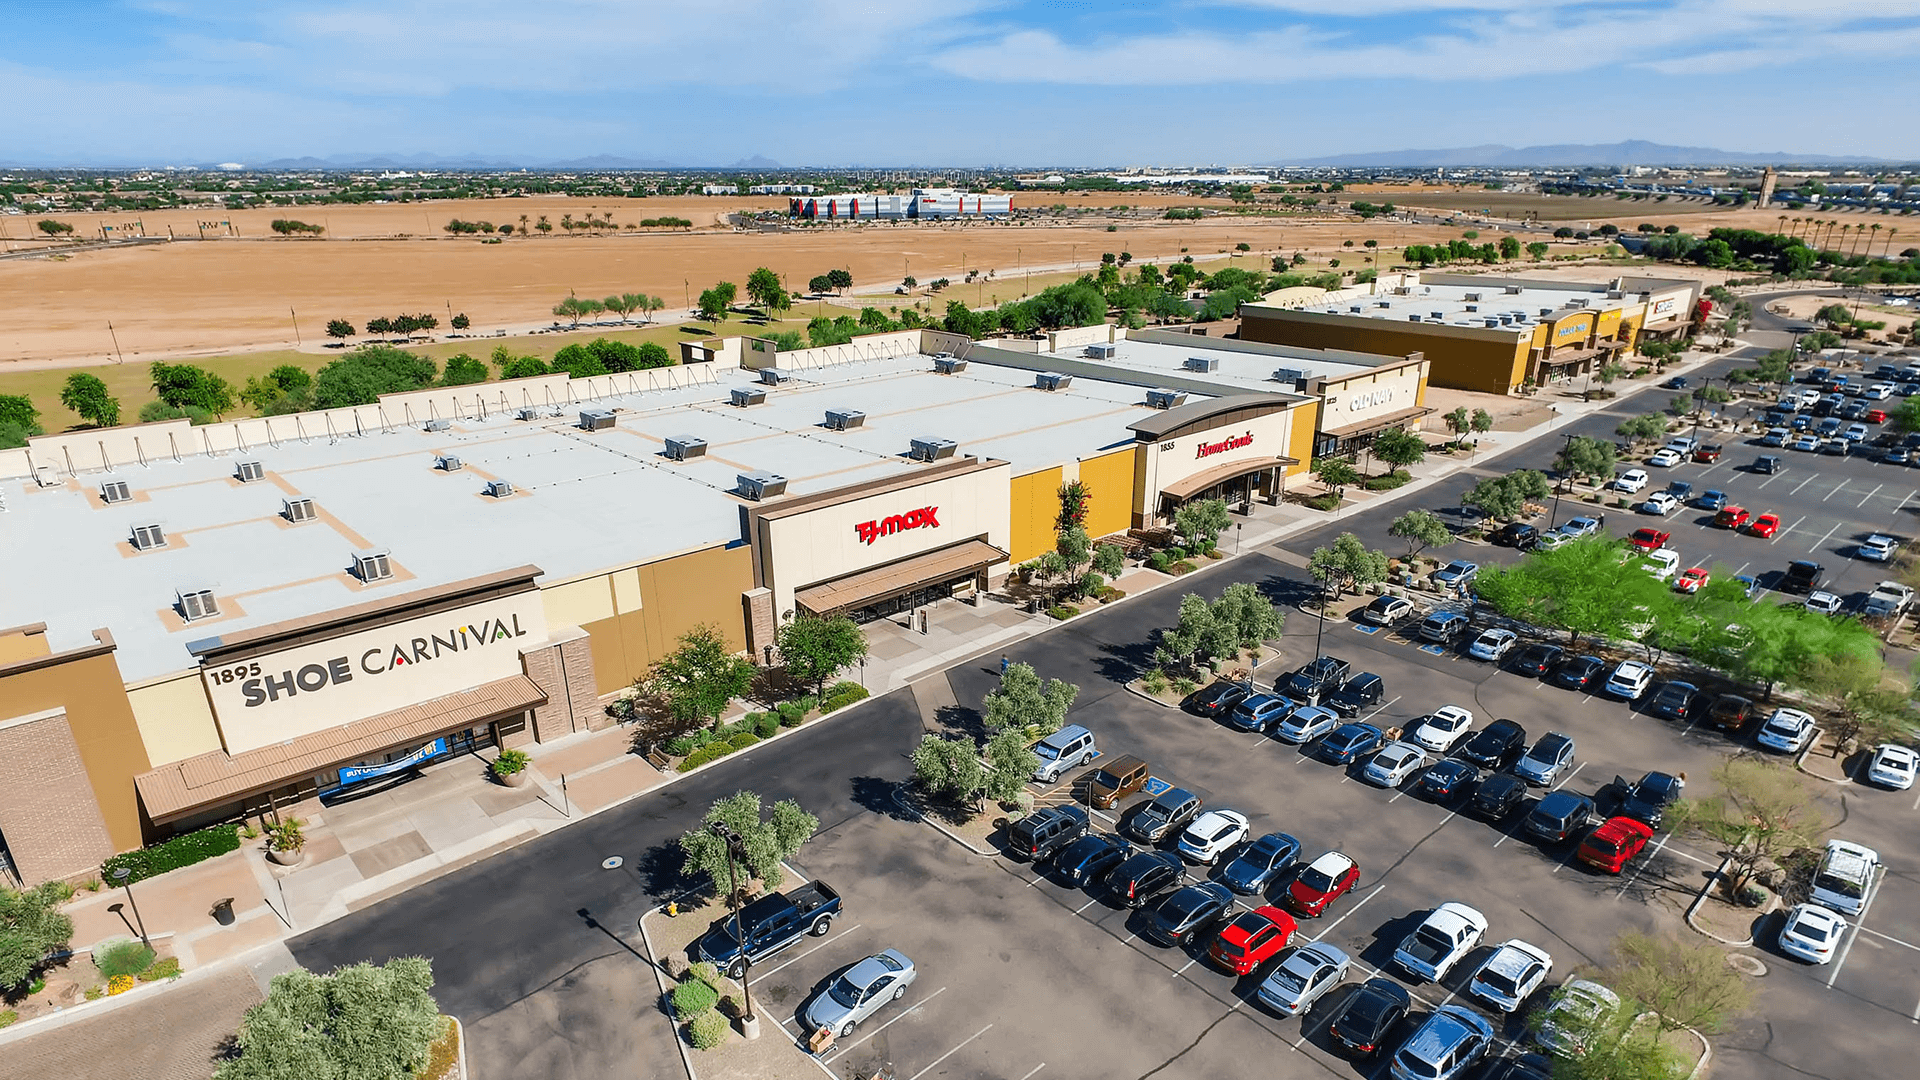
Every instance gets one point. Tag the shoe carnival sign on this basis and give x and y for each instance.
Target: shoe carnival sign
(279, 695)
(1208, 449)
(927, 517)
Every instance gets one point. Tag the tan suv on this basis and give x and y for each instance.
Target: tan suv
(1116, 780)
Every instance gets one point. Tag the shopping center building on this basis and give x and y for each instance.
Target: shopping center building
(1481, 332)
(220, 621)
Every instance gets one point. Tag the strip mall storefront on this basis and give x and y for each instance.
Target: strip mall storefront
(1236, 448)
(1355, 409)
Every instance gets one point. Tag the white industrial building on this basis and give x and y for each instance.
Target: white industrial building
(922, 203)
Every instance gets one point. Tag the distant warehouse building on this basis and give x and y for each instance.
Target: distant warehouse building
(1491, 334)
(922, 203)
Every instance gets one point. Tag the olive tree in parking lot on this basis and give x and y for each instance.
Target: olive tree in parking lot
(1583, 457)
(765, 840)
(1024, 703)
(949, 768)
(1764, 811)
(1010, 762)
(1346, 564)
(1506, 497)
(1581, 587)
(1613, 1047)
(1681, 982)
(1421, 529)
(1640, 429)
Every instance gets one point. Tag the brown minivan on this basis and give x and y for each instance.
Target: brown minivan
(1116, 780)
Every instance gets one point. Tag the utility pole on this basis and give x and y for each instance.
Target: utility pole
(295, 316)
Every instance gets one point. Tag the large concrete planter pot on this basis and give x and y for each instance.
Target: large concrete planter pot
(513, 779)
(286, 858)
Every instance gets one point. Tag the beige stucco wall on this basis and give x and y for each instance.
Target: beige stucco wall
(1172, 460)
(1358, 398)
(174, 717)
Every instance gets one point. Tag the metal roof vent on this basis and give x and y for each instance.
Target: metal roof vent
(1473, 297)
(450, 463)
(1356, 307)
(1437, 316)
(1202, 363)
(744, 396)
(1413, 318)
(1101, 350)
(682, 447)
(1492, 321)
(499, 489)
(949, 365)
(198, 605)
(773, 376)
(1545, 311)
(439, 425)
(1165, 399)
(1615, 294)
(1473, 307)
(1577, 302)
(596, 419)
(761, 485)
(842, 419)
(1052, 380)
(1513, 290)
(933, 449)
(249, 471)
(148, 537)
(529, 414)
(1383, 303)
(115, 491)
(1289, 375)
(371, 566)
(299, 510)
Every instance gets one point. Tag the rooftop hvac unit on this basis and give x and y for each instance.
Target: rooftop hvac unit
(943, 356)
(372, 566)
(773, 376)
(843, 419)
(439, 425)
(1577, 302)
(761, 485)
(1615, 294)
(115, 491)
(1355, 307)
(933, 449)
(1513, 290)
(1403, 290)
(1383, 303)
(1413, 318)
(949, 365)
(1289, 375)
(1473, 307)
(1165, 399)
(1052, 380)
(1545, 311)
(198, 605)
(744, 396)
(450, 463)
(249, 471)
(529, 414)
(299, 510)
(1473, 297)
(682, 447)
(499, 489)
(1203, 363)
(1102, 350)
(1436, 316)
(148, 537)
(1492, 321)
(596, 419)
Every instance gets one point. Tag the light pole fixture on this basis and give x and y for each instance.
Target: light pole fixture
(1565, 480)
(1321, 629)
(735, 849)
(121, 876)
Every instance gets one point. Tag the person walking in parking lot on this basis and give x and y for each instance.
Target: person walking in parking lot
(1003, 665)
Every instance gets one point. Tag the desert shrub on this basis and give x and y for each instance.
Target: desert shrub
(167, 968)
(707, 1030)
(847, 695)
(681, 745)
(693, 997)
(8, 1017)
(846, 686)
(710, 752)
(175, 853)
(1159, 561)
(1184, 686)
(742, 740)
(1062, 612)
(1176, 553)
(1182, 567)
(766, 724)
(125, 957)
(1396, 478)
(1155, 682)
(1329, 501)
(706, 972)
(1109, 594)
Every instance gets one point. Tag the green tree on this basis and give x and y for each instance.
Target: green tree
(521, 367)
(654, 355)
(361, 376)
(1537, 250)
(820, 284)
(1585, 457)
(1010, 762)
(817, 648)
(1335, 474)
(1506, 497)
(1023, 702)
(712, 304)
(1346, 564)
(460, 321)
(340, 329)
(1613, 1047)
(356, 1023)
(1459, 421)
(1200, 637)
(578, 362)
(1421, 529)
(463, 370)
(841, 279)
(1683, 982)
(948, 768)
(1777, 367)
(764, 288)
(1109, 560)
(1509, 247)
(619, 304)
(31, 926)
(1762, 812)
(1074, 547)
(1399, 448)
(1202, 521)
(1248, 614)
(86, 395)
(699, 678)
(1581, 587)
(1644, 428)
(766, 841)
(1906, 415)
(186, 386)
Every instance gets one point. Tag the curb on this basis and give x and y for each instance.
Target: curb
(1701, 899)
(949, 833)
(1800, 762)
(1706, 1055)
(660, 979)
(1144, 696)
(461, 1030)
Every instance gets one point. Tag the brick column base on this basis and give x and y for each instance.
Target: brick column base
(563, 668)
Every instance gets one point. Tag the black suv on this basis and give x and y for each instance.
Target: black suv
(1536, 659)
(1578, 672)
(1559, 816)
(1496, 746)
(1316, 680)
(1188, 914)
(1514, 534)
(1141, 877)
(1497, 797)
(1646, 799)
(1802, 576)
(1088, 860)
(1362, 691)
(1045, 831)
(1219, 699)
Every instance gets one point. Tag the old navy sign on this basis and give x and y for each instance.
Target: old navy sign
(258, 686)
(924, 518)
(1208, 449)
(1370, 398)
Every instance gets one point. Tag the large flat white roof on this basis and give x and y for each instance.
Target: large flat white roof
(1464, 305)
(1247, 366)
(584, 501)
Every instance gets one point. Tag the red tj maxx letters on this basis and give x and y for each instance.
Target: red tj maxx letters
(922, 518)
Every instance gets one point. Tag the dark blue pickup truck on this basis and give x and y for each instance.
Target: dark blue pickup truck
(769, 925)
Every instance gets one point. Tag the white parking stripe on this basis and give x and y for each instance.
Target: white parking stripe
(1328, 929)
(1810, 478)
(1769, 480)
(1846, 948)
(1379, 710)
(1871, 494)
(950, 1053)
(1644, 863)
(904, 1013)
(1835, 491)
(1036, 1069)
(1822, 540)
(1905, 501)
(1569, 776)
(808, 953)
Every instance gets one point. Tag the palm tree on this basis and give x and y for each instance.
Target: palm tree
(1783, 223)
(1844, 230)
(1889, 245)
(1796, 228)
(523, 224)
(1871, 237)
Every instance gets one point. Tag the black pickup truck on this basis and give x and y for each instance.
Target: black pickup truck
(769, 925)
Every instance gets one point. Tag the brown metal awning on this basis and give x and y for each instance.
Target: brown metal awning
(885, 582)
(215, 778)
(1183, 490)
(1562, 359)
(1378, 423)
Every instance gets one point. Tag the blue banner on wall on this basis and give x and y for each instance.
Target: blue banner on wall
(353, 774)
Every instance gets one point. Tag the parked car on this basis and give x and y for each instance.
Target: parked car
(1069, 748)
(1393, 764)
(1611, 846)
(1187, 913)
(1768, 464)
(1442, 940)
(1766, 526)
(1249, 872)
(1211, 835)
(1349, 743)
(1712, 499)
(1497, 797)
(1774, 437)
(1579, 672)
(1456, 575)
(1846, 873)
(1251, 939)
(1559, 816)
(1708, 454)
(1893, 767)
(1087, 861)
(1323, 881)
(1878, 547)
(1164, 816)
(1585, 525)
(1649, 539)
(1260, 712)
(1144, 875)
(1514, 534)
(1666, 458)
(1386, 610)
(1661, 563)
(1730, 712)
(1448, 779)
(1492, 645)
(1646, 800)
(1787, 731)
(860, 991)
(1888, 598)
(1318, 678)
(1497, 745)
(1578, 1008)
(1040, 834)
(1363, 691)
(1219, 699)
(767, 926)
(1691, 580)
(1523, 1067)
(1631, 482)
(1630, 680)
(1450, 1041)
(1551, 756)
(1440, 729)
(1802, 577)
(1300, 980)
(1537, 659)
(1307, 723)
(1511, 975)
(1443, 627)
(1367, 1018)
(1822, 602)
(1116, 780)
(1731, 517)
(1677, 700)
(1811, 933)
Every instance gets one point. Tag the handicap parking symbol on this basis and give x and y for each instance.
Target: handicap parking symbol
(1154, 786)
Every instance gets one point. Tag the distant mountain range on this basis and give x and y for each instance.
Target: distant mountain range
(1630, 152)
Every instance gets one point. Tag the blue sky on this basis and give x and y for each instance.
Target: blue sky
(839, 82)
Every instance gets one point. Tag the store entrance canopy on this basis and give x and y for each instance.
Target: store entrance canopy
(1186, 488)
(856, 591)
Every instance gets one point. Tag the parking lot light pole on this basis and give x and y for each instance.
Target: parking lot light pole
(1565, 480)
(735, 848)
(120, 877)
(1320, 630)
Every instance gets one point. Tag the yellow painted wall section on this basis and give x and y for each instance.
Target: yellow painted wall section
(1034, 503)
(1109, 478)
(1304, 419)
(1458, 363)
(699, 588)
(104, 731)
(174, 718)
(577, 603)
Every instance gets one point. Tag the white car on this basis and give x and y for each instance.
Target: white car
(1681, 444)
(1633, 481)
(1888, 598)
(1878, 392)
(1492, 644)
(1659, 504)
(1511, 975)
(1775, 437)
(1877, 547)
(1393, 764)
(1787, 730)
(1439, 730)
(1580, 1007)
(1302, 978)
(1661, 563)
(1307, 723)
(1386, 610)
(1211, 834)
(1822, 602)
(1893, 767)
(1630, 680)
(1809, 443)
(1443, 940)
(1811, 933)
(1666, 458)
(1856, 432)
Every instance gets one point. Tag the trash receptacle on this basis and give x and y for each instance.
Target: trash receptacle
(223, 911)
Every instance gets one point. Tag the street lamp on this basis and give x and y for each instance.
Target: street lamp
(1565, 479)
(736, 850)
(120, 877)
(1321, 629)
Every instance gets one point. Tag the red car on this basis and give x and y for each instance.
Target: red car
(1252, 939)
(1321, 883)
(1649, 539)
(1690, 581)
(1707, 455)
(1611, 846)
(1765, 526)
(1875, 416)
(1732, 517)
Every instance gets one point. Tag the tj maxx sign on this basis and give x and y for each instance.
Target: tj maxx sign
(923, 518)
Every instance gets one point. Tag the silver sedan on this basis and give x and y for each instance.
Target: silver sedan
(1302, 978)
(860, 991)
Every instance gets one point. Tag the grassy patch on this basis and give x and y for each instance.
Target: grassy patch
(443, 1057)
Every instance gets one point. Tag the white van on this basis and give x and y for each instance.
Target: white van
(1845, 875)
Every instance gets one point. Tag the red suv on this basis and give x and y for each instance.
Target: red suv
(1253, 939)
(1731, 517)
(1612, 845)
(1649, 539)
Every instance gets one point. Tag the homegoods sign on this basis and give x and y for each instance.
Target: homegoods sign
(276, 696)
